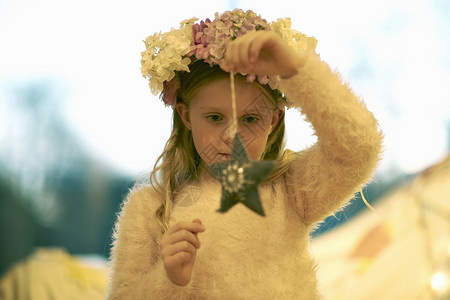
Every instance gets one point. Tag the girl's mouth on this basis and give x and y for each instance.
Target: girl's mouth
(224, 156)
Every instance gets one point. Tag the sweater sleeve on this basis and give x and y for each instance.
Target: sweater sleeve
(137, 271)
(324, 176)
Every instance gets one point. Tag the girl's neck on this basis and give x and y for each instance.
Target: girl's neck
(203, 173)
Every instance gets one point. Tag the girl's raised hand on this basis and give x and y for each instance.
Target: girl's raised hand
(178, 250)
(262, 53)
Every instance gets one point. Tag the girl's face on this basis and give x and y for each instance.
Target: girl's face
(210, 117)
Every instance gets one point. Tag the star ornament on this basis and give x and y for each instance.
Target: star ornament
(240, 178)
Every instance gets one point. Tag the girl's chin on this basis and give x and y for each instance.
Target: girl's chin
(217, 159)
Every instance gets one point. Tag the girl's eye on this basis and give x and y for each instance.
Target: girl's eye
(214, 118)
(250, 119)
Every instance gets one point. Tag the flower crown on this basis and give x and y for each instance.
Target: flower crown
(167, 53)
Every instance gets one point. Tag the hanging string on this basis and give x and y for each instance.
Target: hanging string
(233, 105)
(366, 202)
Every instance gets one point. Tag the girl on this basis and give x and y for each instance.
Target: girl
(170, 241)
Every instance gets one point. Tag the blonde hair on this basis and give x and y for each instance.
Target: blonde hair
(179, 160)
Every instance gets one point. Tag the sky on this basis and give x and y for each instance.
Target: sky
(395, 54)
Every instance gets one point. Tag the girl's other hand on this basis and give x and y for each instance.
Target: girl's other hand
(262, 53)
(178, 250)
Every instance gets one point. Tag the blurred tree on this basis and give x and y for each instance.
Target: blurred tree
(55, 194)
(18, 227)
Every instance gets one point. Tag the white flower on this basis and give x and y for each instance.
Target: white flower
(165, 54)
(295, 39)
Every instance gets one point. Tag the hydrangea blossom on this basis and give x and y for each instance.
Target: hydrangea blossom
(166, 53)
(175, 50)
(227, 27)
(295, 39)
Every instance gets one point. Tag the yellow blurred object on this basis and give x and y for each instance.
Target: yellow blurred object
(364, 265)
(401, 253)
(53, 274)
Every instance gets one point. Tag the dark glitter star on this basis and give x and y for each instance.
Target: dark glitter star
(240, 177)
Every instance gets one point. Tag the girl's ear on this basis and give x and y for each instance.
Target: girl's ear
(277, 114)
(183, 112)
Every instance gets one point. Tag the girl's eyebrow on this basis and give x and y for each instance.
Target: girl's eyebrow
(208, 107)
(258, 110)
(250, 113)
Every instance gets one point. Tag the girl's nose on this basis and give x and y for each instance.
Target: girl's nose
(229, 133)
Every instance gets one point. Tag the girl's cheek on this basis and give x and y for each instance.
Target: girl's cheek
(253, 131)
(209, 148)
(248, 138)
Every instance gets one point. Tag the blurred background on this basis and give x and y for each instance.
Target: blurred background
(78, 124)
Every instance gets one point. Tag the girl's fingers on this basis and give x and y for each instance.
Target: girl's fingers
(256, 43)
(226, 64)
(183, 232)
(183, 235)
(233, 56)
(243, 54)
(179, 247)
(193, 227)
(242, 57)
(256, 46)
(198, 221)
(243, 45)
(177, 259)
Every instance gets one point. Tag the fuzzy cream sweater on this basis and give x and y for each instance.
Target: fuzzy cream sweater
(243, 255)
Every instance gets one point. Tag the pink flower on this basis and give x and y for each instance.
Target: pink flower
(169, 92)
(199, 48)
(202, 52)
(197, 31)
